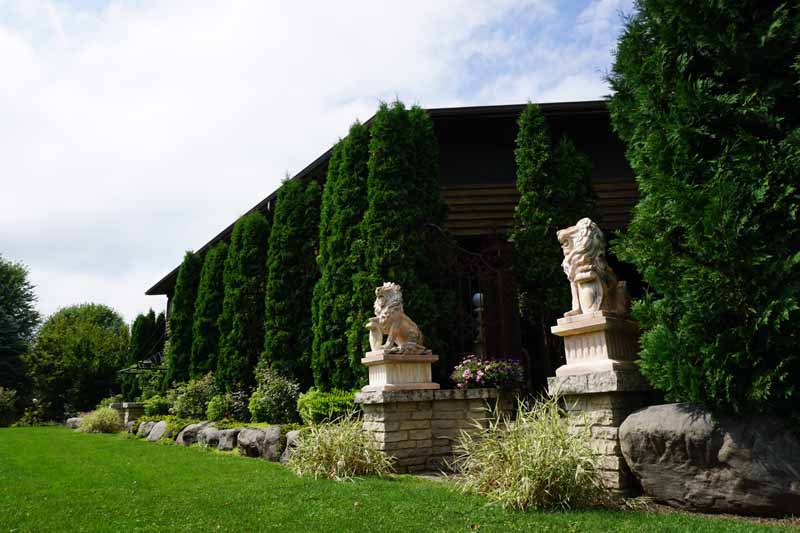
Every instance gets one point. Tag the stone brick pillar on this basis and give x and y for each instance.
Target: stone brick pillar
(128, 411)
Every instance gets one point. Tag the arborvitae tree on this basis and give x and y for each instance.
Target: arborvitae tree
(207, 310)
(555, 192)
(241, 324)
(142, 342)
(707, 99)
(181, 318)
(291, 275)
(403, 199)
(344, 201)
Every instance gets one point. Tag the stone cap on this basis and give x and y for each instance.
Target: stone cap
(372, 397)
(589, 322)
(127, 405)
(377, 357)
(596, 382)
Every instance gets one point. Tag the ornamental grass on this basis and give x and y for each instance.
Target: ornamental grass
(103, 420)
(535, 461)
(339, 450)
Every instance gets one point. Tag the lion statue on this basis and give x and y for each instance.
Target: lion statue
(593, 284)
(403, 335)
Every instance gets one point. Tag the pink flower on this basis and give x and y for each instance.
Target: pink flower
(467, 374)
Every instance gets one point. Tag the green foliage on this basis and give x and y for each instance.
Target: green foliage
(219, 407)
(157, 405)
(102, 420)
(192, 397)
(316, 406)
(148, 333)
(532, 462)
(208, 308)
(706, 100)
(75, 358)
(340, 451)
(403, 200)
(106, 402)
(8, 406)
(344, 201)
(181, 319)
(241, 324)
(275, 399)
(18, 320)
(291, 275)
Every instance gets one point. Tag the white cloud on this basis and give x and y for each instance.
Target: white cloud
(135, 131)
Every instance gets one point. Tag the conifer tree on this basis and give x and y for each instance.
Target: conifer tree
(208, 308)
(181, 318)
(291, 275)
(241, 324)
(142, 341)
(344, 201)
(706, 98)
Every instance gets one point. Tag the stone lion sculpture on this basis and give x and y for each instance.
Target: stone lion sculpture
(593, 284)
(403, 335)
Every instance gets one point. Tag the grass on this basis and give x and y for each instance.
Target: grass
(54, 479)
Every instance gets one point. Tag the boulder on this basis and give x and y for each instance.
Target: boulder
(208, 436)
(74, 422)
(291, 444)
(144, 429)
(129, 427)
(228, 439)
(258, 442)
(188, 435)
(159, 430)
(685, 457)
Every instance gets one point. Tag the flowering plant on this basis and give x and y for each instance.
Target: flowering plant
(475, 371)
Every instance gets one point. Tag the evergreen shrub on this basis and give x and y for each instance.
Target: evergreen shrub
(8, 406)
(219, 407)
(316, 406)
(706, 99)
(207, 310)
(275, 398)
(192, 397)
(157, 405)
(181, 319)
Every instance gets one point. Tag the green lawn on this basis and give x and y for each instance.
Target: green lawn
(54, 479)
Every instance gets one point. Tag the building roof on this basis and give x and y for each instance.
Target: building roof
(167, 283)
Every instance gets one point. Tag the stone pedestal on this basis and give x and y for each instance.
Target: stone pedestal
(419, 427)
(128, 411)
(399, 372)
(597, 342)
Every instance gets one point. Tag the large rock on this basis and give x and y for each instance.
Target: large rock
(159, 430)
(188, 435)
(257, 442)
(291, 444)
(208, 436)
(144, 429)
(74, 422)
(735, 464)
(129, 427)
(228, 439)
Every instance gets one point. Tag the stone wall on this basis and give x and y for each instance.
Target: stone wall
(128, 411)
(418, 428)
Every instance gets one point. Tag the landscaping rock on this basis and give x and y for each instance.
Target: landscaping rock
(734, 464)
(208, 436)
(158, 431)
(74, 422)
(291, 444)
(228, 439)
(188, 435)
(130, 425)
(258, 442)
(144, 429)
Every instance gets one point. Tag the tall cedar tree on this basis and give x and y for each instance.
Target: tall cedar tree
(291, 275)
(18, 320)
(555, 193)
(181, 319)
(403, 200)
(207, 310)
(706, 98)
(241, 324)
(144, 339)
(344, 201)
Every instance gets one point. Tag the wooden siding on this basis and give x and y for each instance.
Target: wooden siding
(489, 208)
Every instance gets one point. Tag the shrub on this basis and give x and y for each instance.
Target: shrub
(8, 406)
(105, 402)
(157, 405)
(317, 406)
(18, 321)
(191, 398)
(275, 399)
(338, 451)
(534, 461)
(181, 318)
(103, 420)
(219, 407)
(208, 307)
(476, 371)
(712, 128)
(148, 333)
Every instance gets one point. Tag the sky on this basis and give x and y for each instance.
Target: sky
(132, 131)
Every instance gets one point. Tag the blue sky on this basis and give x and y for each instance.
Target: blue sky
(133, 131)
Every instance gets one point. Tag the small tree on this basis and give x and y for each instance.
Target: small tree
(241, 324)
(208, 308)
(146, 339)
(291, 275)
(18, 319)
(555, 192)
(344, 201)
(181, 318)
(706, 98)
